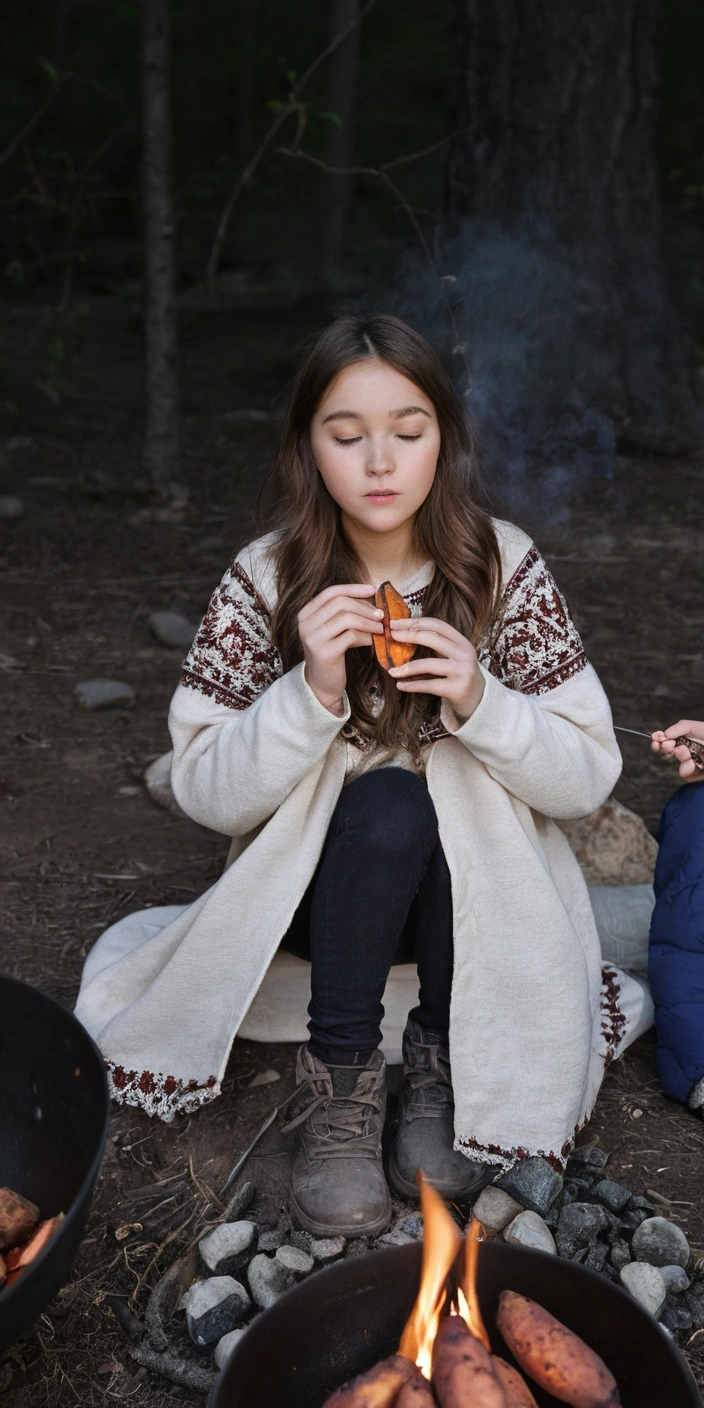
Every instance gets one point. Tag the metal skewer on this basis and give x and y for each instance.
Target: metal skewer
(243, 1157)
(638, 732)
(694, 745)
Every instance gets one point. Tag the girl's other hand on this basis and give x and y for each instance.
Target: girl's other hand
(663, 741)
(335, 621)
(453, 672)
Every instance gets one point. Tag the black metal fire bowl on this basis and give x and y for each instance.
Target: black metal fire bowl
(54, 1117)
(342, 1320)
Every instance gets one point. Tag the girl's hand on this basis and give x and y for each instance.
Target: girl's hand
(333, 622)
(664, 742)
(453, 672)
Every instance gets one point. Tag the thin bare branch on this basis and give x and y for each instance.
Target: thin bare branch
(57, 85)
(293, 106)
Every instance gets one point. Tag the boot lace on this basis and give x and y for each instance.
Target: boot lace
(428, 1085)
(338, 1126)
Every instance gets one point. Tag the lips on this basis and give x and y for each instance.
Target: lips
(389, 494)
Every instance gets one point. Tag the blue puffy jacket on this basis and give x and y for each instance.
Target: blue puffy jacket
(676, 963)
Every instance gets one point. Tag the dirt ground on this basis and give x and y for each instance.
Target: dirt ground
(83, 844)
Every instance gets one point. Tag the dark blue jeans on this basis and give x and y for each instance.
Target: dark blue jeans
(381, 893)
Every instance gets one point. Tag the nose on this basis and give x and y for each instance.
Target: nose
(381, 459)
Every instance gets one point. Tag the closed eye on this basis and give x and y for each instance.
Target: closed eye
(410, 437)
(354, 440)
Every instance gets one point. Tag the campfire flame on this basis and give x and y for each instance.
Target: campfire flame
(467, 1298)
(441, 1242)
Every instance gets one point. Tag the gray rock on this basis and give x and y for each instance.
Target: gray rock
(213, 1308)
(661, 1243)
(268, 1279)
(225, 1346)
(529, 1230)
(412, 1226)
(645, 1284)
(241, 1199)
(495, 1209)
(395, 1238)
(327, 1248)
(696, 1307)
(103, 694)
(597, 1252)
(676, 1317)
(633, 1217)
(172, 629)
(620, 1254)
(640, 1200)
(295, 1260)
(228, 1248)
(676, 1279)
(534, 1183)
(611, 1195)
(271, 1238)
(585, 1158)
(579, 1224)
(303, 1240)
(10, 506)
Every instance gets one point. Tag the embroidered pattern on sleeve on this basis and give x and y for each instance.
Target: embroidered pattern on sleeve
(232, 659)
(535, 645)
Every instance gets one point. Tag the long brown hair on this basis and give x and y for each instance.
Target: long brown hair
(451, 528)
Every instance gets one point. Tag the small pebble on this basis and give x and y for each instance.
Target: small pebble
(597, 1252)
(327, 1248)
(265, 1078)
(612, 1195)
(661, 1243)
(213, 1308)
(395, 1238)
(11, 507)
(294, 1259)
(412, 1226)
(228, 1248)
(268, 1279)
(620, 1254)
(534, 1183)
(172, 629)
(579, 1223)
(529, 1230)
(696, 1307)
(495, 1209)
(675, 1278)
(676, 1317)
(589, 1155)
(301, 1239)
(103, 694)
(645, 1284)
(633, 1217)
(225, 1346)
(271, 1238)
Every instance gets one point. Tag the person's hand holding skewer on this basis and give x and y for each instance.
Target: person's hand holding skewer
(665, 742)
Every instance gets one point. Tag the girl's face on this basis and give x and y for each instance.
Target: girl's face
(376, 439)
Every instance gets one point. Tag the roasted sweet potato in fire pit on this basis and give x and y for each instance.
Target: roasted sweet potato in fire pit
(553, 1356)
(463, 1370)
(17, 1217)
(378, 1388)
(518, 1394)
(417, 1393)
(389, 651)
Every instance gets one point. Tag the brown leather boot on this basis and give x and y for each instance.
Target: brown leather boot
(338, 1184)
(426, 1124)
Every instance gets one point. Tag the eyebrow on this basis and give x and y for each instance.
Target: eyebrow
(398, 415)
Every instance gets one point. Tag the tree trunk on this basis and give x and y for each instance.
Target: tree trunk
(553, 102)
(162, 455)
(342, 89)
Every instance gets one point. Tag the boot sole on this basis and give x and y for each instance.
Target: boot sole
(410, 1190)
(329, 1229)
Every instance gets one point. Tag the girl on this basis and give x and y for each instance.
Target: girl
(374, 812)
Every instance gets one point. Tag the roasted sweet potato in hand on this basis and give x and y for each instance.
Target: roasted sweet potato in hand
(378, 1388)
(463, 1370)
(518, 1394)
(17, 1217)
(553, 1356)
(389, 651)
(417, 1393)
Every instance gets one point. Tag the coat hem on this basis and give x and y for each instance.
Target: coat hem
(158, 1094)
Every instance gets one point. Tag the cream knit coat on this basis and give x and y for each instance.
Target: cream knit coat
(534, 1019)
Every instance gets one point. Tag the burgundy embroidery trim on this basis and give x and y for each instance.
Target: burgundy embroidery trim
(535, 645)
(613, 1020)
(232, 659)
(160, 1095)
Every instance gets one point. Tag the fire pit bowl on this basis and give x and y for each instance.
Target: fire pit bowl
(54, 1116)
(342, 1320)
